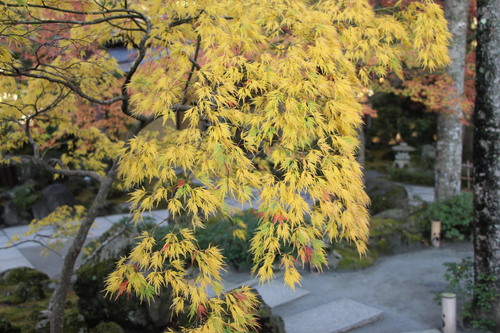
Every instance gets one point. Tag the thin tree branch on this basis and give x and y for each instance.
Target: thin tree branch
(69, 11)
(188, 82)
(133, 68)
(31, 241)
(71, 22)
(19, 72)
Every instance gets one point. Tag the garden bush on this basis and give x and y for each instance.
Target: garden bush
(232, 236)
(455, 214)
(460, 278)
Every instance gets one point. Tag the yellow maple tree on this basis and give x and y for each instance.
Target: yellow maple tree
(266, 93)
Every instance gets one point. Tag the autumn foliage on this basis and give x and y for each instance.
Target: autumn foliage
(269, 94)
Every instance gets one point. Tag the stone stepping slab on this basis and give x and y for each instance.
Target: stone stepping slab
(274, 293)
(335, 317)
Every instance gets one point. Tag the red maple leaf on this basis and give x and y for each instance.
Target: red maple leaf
(308, 253)
(201, 311)
(122, 289)
(240, 296)
(279, 218)
(179, 184)
(165, 247)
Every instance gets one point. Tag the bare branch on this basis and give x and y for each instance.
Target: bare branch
(71, 22)
(31, 241)
(64, 172)
(132, 71)
(19, 72)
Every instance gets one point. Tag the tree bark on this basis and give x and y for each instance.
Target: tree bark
(449, 142)
(58, 299)
(487, 154)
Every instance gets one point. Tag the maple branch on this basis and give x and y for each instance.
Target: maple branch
(181, 107)
(63, 172)
(69, 11)
(188, 82)
(133, 68)
(20, 72)
(32, 241)
(71, 22)
(38, 160)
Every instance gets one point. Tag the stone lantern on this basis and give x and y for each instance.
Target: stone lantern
(402, 159)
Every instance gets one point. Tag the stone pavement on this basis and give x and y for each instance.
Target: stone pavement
(325, 303)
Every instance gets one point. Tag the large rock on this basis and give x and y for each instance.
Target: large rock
(29, 171)
(17, 204)
(11, 216)
(391, 236)
(53, 196)
(385, 195)
(394, 214)
(268, 322)
(22, 274)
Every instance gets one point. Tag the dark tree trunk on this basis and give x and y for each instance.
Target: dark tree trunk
(361, 153)
(449, 142)
(487, 154)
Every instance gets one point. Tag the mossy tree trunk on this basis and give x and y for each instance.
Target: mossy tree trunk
(449, 143)
(487, 156)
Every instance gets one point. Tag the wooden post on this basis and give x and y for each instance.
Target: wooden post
(436, 233)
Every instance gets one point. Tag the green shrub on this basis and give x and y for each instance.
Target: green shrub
(24, 196)
(460, 277)
(455, 214)
(224, 233)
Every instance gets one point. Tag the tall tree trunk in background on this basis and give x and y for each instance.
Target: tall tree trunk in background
(449, 142)
(487, 153)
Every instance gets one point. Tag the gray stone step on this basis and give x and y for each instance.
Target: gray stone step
(338, 316)
(276, 293)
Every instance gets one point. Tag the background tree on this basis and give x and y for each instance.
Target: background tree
(449, 141)
(487, 157)
(278, 84)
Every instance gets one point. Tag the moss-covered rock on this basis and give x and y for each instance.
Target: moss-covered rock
(29, 285)
(388, 236)
(74, 322)
(351, 259)
(24, 292)
(23, 274)
(386, 195)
